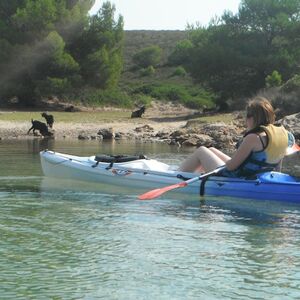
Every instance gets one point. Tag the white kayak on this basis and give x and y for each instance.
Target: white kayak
(146, 174)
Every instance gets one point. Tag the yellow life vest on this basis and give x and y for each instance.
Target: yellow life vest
(277, 143)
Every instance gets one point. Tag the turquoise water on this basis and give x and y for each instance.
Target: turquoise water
(105, 245)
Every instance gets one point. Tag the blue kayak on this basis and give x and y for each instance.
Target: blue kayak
(146, 174)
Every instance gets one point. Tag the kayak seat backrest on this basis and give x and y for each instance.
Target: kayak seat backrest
(118, 158)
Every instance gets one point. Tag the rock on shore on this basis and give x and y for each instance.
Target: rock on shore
(292, 123)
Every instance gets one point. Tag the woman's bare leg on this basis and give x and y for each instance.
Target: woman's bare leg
(220, 154)
(202, 157)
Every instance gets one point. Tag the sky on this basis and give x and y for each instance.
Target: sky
(168, 14)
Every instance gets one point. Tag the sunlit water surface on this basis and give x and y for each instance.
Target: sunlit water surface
(85, 244)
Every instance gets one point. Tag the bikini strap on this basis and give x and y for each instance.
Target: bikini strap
(262, 142)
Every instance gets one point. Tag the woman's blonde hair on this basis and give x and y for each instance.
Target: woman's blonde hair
(261, 110)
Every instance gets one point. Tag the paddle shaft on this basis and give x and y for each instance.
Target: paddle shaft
(203, 175)
(158, 192)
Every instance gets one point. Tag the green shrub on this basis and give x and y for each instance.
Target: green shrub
(181, 53)
(286, 103)
(179, 71)
(53, 86)
(273, 80)
(149, 56)
(109, 97)
(292, 85)
(148, 71)
(141, 99)
(189, 96)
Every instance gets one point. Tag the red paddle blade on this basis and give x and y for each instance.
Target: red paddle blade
(291, 150)
(157, 192)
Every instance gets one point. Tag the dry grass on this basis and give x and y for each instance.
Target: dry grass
(101, 117)
(66, 117)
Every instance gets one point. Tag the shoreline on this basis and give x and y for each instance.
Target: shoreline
(166, 117)
(61, 130)
(179, 129)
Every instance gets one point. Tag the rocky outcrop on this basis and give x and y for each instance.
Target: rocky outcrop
(195, 134)
(106, 134)
(218, 134)
(292, 123)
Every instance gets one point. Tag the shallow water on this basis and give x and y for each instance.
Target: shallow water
(85, 244)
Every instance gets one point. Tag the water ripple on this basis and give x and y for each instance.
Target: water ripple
(67, 244)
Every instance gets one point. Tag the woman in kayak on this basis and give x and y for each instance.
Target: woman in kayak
(262, 148)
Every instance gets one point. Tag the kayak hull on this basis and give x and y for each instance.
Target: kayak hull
(268, 186)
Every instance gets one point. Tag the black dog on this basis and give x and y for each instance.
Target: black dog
(138, 113)
(41, 127)
(49, 119)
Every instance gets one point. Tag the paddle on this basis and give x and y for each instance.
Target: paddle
(291, 150)
(158, 192)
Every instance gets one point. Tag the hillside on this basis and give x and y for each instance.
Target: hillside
(136, 40)
(164, 83)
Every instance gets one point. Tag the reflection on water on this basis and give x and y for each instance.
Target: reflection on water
(93, 244)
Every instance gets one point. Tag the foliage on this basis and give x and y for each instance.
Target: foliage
(189, 96)
(234, 54)
(141, 99)
(148, 71)
(100, 97)
(292, 85)
(149, 56)
(52, 86)
(286, 98)
(274, 79)
(49, 47)
(101, 55)
(287, 103)
(136, 40)
(179, 71)
(181, 53)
